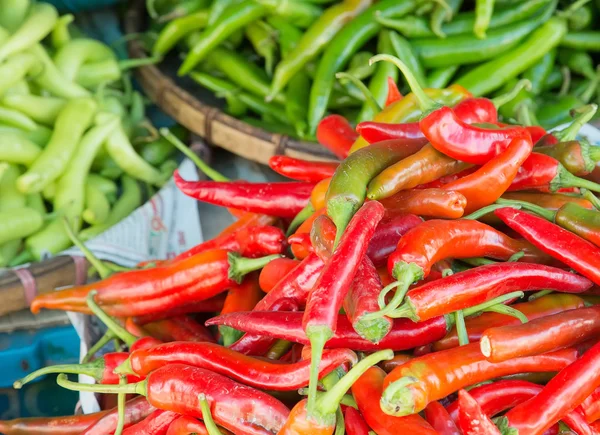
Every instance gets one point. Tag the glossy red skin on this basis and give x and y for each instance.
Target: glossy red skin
(572, 250)
(544, 306)
(471, 418)
(567, 390)
(436, 240)
(536, 132)
(299, 423)
(111, 361)
(250, 371)
(180, 328)
(543, 334)
(185, 425)
(156, 423)
(387, 234)
(585, 223)
(476, 111)
(144, 343)
(479, 284)
(326, 297)
(354, 422)
(64, 425)
(590, 408)
(302, 170)
(440, 374)
(244, 296)
(394, 93)
(539, 170)
(275, 271)
(284, 199)
(135, 410)
(441, 182)
(465, 142)
(437, 416)
(211, 305)
(236, 407)
(295, 286)
(437, 203)
(367, 392)
(404, 334)
(300, 244)
(336, 134)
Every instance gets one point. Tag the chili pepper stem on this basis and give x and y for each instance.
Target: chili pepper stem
(121, 407)
(136, 388)
(347, 400)
(370, 99)
(591, 198)
(503, 99)
(461, 328)
(585, 113)
(426, 104)
(488, 209)
(108, 336)
(299, 219)
(124, 368)
(539, 294)
(110, 323)
(211, 427)
(128, 64)
(318, 336)
(22, 258)
(229, 335)
(340, 425)
(565, 178)
(372, 329)
(100, 267)
(545, 213)
(397, 399)
(200, 164)
(92, 369)
(240, 266)
(487, 304)
(509, 311)
(340, 211)
(413, 273)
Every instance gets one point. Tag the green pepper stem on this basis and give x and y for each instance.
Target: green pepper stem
(100, 267)
(384, 292)
(488, 209)
(485, 305)
(128, 64)
(107, 337)
(407, 275)
(591, 198)
(566, 83)
(121, 407)
(585, 113)
(501, 100)
(124, 368)
(330, 401)
(137, 388)
(200, 164)
(299, 219)
(369, 98)
(461, 328)
(229, 335)
(509, 311)
(543, 212)
(539, 294)
(516, 257)
(24, 257)
(93, 369)
(477, 261)
(110, 323)
(397, 399)
(340, 425)
(425, 103)
(572, 8)
(280, 348)
(318, 336)
(525, 115)
(593, 151)
(240, 266)
(347, 400)
(211, 427)
(565, 179)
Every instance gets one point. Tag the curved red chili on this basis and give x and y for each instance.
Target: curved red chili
(185, 425)
(275, 271)
(437, 416)
(156, 423)
(135, 410)
(471, 418)
(354, 422)
(387, 234)
(336, 134)
(302, 170)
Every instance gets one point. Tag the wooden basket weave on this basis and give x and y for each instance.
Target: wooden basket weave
(196, 110)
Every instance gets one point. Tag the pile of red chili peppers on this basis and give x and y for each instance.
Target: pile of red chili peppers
(442, 278)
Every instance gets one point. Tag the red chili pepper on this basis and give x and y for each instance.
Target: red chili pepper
(139, 292)
(471, 418)
(211, 305)
(64, 425)
(544, 306)
(355, 423)
(491, 180)
(577, 156)
(540, 171)
(563, 245)
(541, 335)
(399, 359)
(185, 425)
(394, 93)
(135, 410)
(437, 203)
(567, 390)
(302, 170)
(300, 240)
(441, 182)
(584, 115)
(336, 134)
(319, 194)
(437, 416)
(156, 423)
(242, 297)
(285, 199)
(551, 201)
(326, 297)
(180, 328)
(411, 387)
(322, 237)
(387, 234)
(581, 221)
(275, 271)
(374, 132)
(404, 334)
(590, 408)
(176, 387)
(367, 390)
(480, 284)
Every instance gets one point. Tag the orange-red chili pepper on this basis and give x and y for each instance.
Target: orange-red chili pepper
(274, 272)
(437, 416)
(185, 425)
(398, 360)
(64, 425)
(302, 170)
(394, 93)
(438, 203)
(135, 410)
(336, 134)
(590, 408)
(298, 242)
(240, 297)
(319, 193)
(354, 423)
(471, 418)
(179, 328)
(211, 305)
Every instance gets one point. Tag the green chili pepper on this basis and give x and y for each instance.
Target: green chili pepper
(288, 34)
(37, 25)
(463, 23)
(16, 119)
(539, 73)
(217, 8)
(484, 10)
(44, 110)
(13, 13)
(234, 17)
(70, 125)
(15, 148)
(36, 202)
(443, 13)
(262, 38)
(15, 69)
(183, 8)
(578, 62)
(40, 136)
(97, 206)
(18, 223)
(342, 101)
(298, 12)
(10, 199)
(586, 41)
(177, 29)
(441, 77)
(494, 73)
(378, 85)
(19, 88)
(130, 199)
(554, 79)
(341, 48)
(94, 74)
(359, 65)
(314, 41)
(404, 51)
(157, 152)
(60, 34)
(52, 80)
(581, 18)
(296, 102)
(106, 186)
(555, 110)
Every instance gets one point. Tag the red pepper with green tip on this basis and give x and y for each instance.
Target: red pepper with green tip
(336, 134)
(437, 416)
(471, 418)
(302, 170)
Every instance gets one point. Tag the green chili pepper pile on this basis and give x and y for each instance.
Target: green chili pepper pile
(288, 53)
(74, 138)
